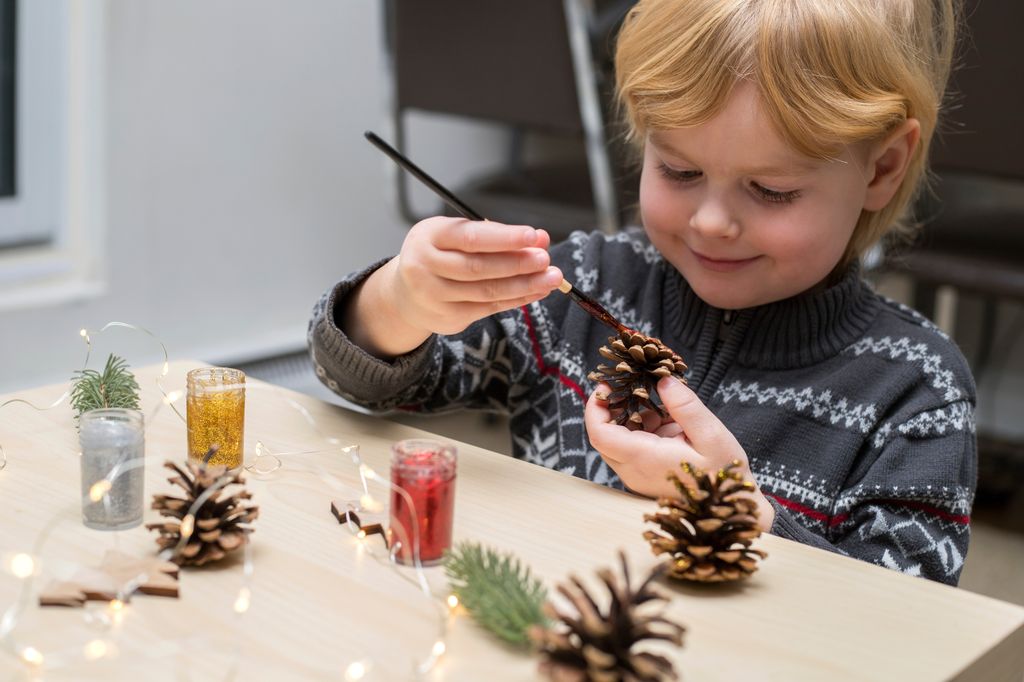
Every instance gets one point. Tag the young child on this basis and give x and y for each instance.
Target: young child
(780, 141)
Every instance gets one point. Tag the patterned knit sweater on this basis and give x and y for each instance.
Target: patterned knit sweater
(856, 413)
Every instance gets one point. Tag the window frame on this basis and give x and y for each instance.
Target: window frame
(8, 101)
(64, 262)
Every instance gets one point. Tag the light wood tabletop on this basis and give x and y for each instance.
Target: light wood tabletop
(324, 605)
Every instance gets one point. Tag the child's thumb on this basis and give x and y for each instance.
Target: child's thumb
(704, 430)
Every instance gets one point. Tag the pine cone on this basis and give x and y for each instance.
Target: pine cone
(217, 527)
(598, 645)
(708, 530)
(640, 361)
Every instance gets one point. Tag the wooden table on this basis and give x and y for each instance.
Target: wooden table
(321, 602)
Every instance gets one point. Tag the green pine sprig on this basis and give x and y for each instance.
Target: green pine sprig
(497, 590)
(114, 387)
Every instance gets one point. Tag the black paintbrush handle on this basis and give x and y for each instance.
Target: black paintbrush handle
(421, 175)
(588, 304)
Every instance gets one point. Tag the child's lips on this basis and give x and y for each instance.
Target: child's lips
(723, 264)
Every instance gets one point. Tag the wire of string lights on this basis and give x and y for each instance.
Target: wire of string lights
(105, 625)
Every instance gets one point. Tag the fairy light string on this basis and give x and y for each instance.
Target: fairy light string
(25, 566)
(368, 503)
(168, 398)
(265, 463)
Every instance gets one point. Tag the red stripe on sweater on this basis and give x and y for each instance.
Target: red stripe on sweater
(912, 504)
(788, 504)
(541, 365)
(840, 518)
(797, 507)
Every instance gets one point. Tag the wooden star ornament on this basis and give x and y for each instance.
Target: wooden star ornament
(116, 574)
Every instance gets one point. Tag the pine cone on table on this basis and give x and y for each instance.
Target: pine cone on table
(595, 644)
(217, 527)
(708, 530)
(640, 362)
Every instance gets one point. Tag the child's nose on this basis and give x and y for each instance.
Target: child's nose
(713, 219)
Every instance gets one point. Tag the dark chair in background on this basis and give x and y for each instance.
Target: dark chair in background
(973, 235)
(540, 67)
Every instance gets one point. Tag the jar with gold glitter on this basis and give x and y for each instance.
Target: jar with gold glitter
(216, 414)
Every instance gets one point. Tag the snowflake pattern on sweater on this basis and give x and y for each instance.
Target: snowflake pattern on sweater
(856, 413)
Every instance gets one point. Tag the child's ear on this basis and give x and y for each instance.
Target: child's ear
(888, 163)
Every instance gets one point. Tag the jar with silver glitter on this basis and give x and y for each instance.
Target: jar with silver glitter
(113, 458)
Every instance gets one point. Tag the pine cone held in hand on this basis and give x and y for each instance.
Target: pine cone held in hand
(217, 527)
(595, 644)
(708, 530)
(640, 362)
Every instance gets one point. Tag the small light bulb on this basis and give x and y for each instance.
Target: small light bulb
(242, 602)
(95, 650)
(83, 333)
(172, 397)
(188, 524)
(355, 671)
(453, 601)
(99, 489)
(116, 605)
(361, 534)
(439, 648)
(31, 656)
(22, 565)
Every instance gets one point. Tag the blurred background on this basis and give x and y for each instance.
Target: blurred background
(198, 168)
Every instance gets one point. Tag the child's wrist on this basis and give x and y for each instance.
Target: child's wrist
(766, 513)
(373, 321)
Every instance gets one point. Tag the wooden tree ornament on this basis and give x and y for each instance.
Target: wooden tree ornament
(114, 576)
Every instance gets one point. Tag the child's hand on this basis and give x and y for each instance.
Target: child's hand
(450, 273)
(693, 434)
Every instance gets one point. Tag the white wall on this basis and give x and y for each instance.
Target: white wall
(239, 186)
(238, 183)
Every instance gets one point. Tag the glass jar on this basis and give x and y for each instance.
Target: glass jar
(113, 458)
(425, 471)
(215, 405)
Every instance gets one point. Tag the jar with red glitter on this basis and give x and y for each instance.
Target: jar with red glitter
(422, 499)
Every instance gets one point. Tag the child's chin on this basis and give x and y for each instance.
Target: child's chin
(717, 297)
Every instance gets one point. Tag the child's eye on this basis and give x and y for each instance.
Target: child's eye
(774, 196)
(678, 175)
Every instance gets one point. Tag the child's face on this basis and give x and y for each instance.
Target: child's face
(745, 218)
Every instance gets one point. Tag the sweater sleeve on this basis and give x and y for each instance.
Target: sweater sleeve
(910, 509)
(472, 369)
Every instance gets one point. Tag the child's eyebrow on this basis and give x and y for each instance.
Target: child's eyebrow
(790, 169)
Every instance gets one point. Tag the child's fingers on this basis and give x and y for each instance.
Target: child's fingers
(614, 442)
(485, 237)
(477, 311)
(597, 404)
(507, 288)
(471, 267)
(703, 429)
(669, 430)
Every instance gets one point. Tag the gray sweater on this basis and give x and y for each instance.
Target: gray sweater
(856, 413)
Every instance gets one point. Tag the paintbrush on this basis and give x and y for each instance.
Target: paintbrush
(593, 308)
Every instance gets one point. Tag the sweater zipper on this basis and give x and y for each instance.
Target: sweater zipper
(723, 330)
(718, 364)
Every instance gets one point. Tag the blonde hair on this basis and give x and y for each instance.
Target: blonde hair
(830, 73)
